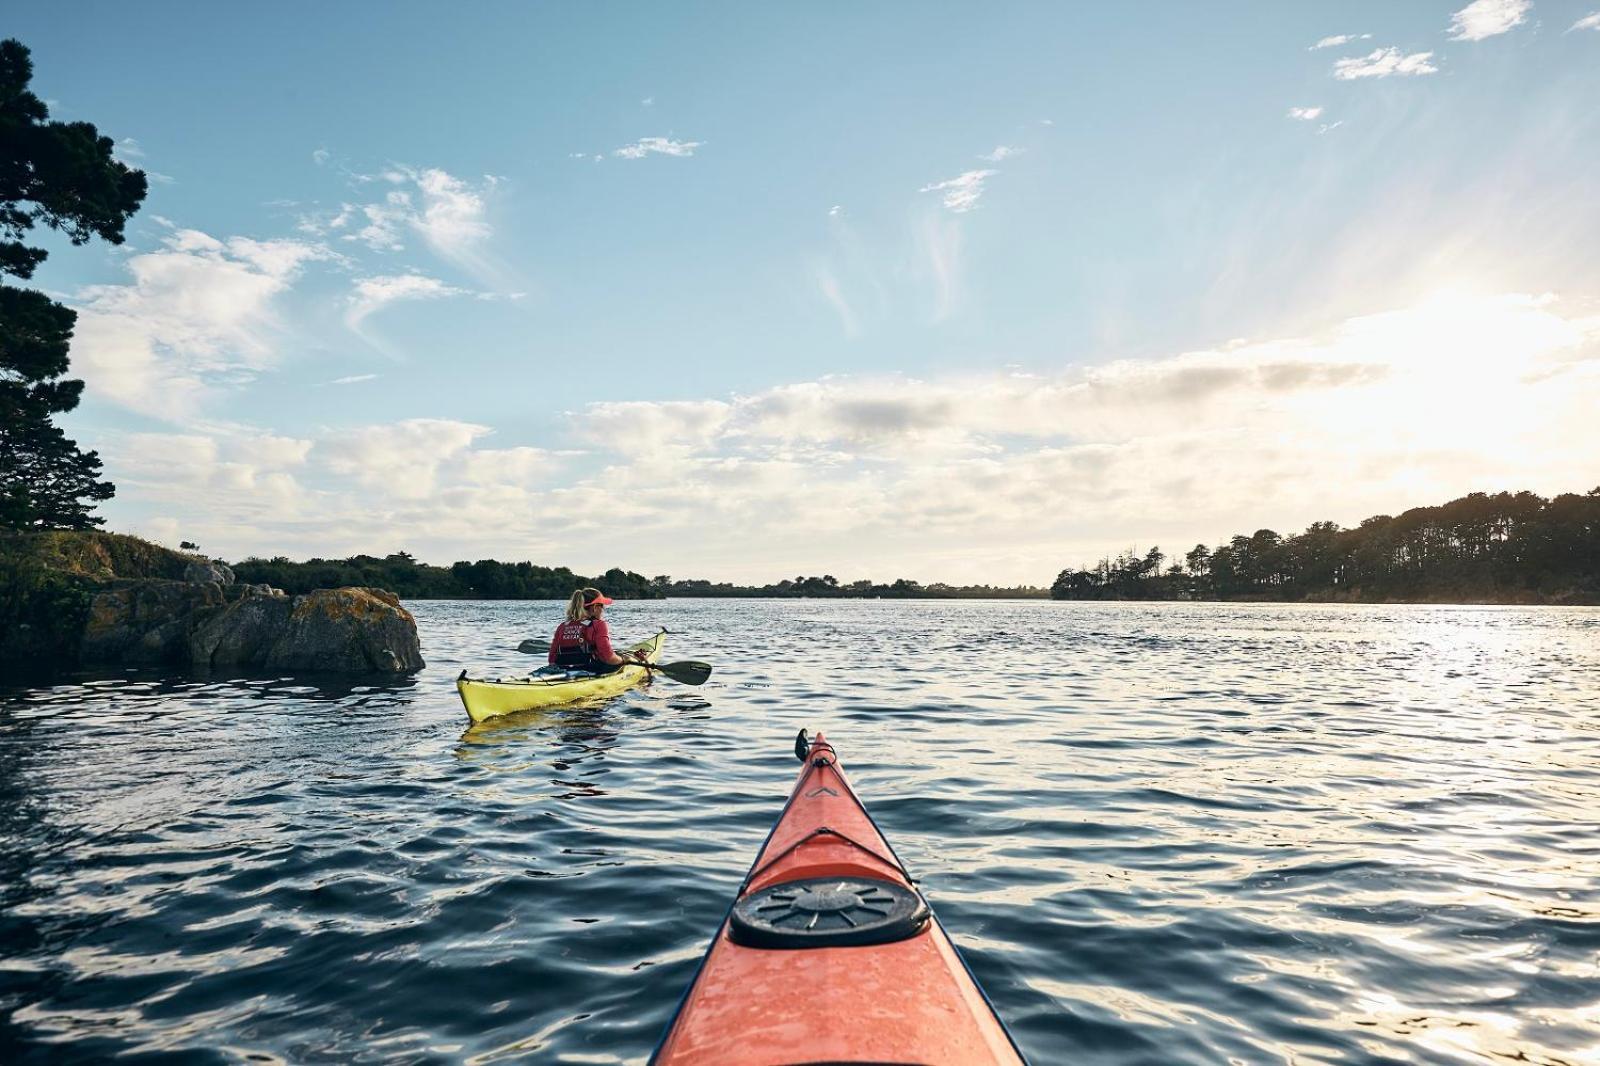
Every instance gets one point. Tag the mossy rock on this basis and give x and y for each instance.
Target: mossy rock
(48, 581)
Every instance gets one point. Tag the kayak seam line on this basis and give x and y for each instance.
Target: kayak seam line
(821, 830)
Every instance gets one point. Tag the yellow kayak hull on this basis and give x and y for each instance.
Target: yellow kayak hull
(485, 699)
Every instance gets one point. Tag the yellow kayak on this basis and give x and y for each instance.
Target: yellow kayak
(490, 698)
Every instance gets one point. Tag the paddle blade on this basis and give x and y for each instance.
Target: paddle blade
(688, 672)
(534, 647)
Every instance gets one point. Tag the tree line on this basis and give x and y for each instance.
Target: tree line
(829, 587)
(1515, 546)
(400, 573)
(490, 579)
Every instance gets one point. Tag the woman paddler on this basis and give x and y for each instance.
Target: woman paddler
(583, 641)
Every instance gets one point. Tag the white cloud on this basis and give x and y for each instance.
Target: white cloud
(961, 193)
(659, 145)
(508, 466)
(1383, 63)
(320, 156)
(1339, 39)
(897, 476)
(352, 379)
(197, 317)
(835, 211)
(371, 294)
(451, 218)
(1001, 151)
(402, 459)
(1588, 22)
(128, 149)
(1305, 114)
(1488, 18)
(647, 429)
(1329, 127)
(648, 101)
(449, 213)
(231, 476)
(1179, 448)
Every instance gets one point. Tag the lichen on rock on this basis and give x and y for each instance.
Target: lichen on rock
(349, 629)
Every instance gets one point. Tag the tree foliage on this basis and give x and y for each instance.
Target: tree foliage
(61, 175)
(400, 573)
(829, 587)
(1502, 546)
(490, 579)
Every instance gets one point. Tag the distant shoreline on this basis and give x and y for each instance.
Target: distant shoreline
(1578, 600)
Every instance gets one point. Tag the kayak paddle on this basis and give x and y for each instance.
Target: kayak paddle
(687, 672)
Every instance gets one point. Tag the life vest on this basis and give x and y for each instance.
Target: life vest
(572, 646)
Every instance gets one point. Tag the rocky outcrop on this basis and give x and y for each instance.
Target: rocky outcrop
(101, 599)
(144, 622)
(207, 571)
(242, 633)
(347, 630)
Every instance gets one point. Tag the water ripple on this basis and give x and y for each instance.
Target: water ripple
(1176, 834)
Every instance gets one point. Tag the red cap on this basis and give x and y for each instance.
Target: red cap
(602, 599)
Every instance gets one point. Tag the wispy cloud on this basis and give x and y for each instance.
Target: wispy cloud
(197, 316)
(835, 211)
(961, 194)
(658, 145)
(1329, 127)
(1339, 39)
(1588, 22)
(445, 211)
(1001, 151)
(834, 294)
(352, 379)
(131, 153)
(449, 214)
(371, 294)
(940, 241)
(1383, 63)
(1305, 114)
(320, 156)
(1488, 18)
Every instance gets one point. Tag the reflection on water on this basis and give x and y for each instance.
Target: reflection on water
(1161, 833)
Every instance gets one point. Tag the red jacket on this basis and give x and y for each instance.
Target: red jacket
(581, 643)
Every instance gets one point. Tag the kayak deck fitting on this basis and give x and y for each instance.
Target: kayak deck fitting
(486, 698)
(830, 953)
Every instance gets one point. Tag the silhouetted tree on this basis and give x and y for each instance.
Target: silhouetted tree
(61, 175)
(1481, 546)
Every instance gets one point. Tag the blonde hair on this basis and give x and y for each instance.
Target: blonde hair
(577, 610)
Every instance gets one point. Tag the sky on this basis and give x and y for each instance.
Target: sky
(745, 291)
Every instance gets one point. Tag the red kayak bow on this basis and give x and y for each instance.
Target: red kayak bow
(830, 954)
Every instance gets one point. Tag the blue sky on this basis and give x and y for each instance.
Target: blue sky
(742, 291)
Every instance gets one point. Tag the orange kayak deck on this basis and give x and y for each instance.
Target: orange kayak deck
(830, 953)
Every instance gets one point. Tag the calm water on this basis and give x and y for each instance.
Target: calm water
(1161, 834)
